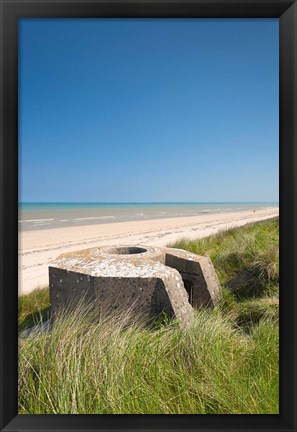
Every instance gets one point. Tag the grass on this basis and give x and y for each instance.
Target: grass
(225, 362)
(33, 308)
(105, 367)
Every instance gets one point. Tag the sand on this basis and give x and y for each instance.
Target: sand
(37, 248)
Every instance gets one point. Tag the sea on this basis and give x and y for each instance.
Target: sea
(36, 216)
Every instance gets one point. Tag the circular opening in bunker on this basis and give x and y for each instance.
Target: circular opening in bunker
(127, 250)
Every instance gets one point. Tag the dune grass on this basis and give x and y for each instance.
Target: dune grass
(33, 307)
(83, 366)
(224, 362)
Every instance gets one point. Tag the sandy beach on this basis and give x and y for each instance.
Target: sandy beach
(37, 248)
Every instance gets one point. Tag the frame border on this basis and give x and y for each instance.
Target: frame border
(10, 12)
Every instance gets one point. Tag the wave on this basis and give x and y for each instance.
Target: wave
(94, 218)
(35, 220)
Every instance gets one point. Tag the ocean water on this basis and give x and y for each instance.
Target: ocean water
(35, 216)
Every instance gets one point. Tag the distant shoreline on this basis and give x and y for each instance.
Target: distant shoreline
(40, 216)
(38, 248)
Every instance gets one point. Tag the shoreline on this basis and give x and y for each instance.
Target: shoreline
(37, 248)
(49, 216)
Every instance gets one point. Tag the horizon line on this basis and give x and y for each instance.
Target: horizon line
(146, 202)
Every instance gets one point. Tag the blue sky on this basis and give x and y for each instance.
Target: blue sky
(144, 110)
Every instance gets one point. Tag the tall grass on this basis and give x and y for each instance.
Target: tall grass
(33, 307)
(224, 362)
(85, 366)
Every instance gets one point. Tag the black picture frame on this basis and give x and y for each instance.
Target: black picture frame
(11, 11)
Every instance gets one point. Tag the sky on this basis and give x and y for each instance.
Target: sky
(148, 110)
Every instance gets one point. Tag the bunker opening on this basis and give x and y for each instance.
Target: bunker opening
(126, 250)
(188, 284)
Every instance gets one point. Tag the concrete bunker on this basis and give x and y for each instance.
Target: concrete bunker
(152, 279)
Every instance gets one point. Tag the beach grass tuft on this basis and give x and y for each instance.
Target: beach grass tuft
(33, 308)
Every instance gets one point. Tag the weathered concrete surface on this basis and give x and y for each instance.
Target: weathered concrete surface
(198, 274)
(152, 280)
